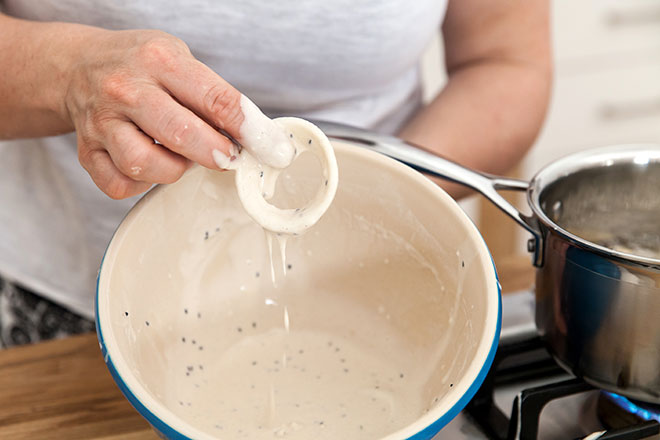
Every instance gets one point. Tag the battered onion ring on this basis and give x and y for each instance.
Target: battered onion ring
(252, 178)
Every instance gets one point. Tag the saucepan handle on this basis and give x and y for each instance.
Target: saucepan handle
(434, 165)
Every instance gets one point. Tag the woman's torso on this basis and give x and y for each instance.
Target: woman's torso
(348, 61)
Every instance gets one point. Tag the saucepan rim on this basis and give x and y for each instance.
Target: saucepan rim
(584, 160)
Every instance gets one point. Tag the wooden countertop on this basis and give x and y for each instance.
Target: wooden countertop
(62, 389)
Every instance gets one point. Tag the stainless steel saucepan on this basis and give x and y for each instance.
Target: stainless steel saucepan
(595, 225)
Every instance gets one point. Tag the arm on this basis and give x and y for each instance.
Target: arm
(119, 90)
(499, 77)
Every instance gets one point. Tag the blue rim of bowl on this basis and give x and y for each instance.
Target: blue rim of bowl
(432, 429)
(425, 434)
(153, 420)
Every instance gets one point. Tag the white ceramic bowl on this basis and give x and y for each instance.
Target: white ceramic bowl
(395, 268)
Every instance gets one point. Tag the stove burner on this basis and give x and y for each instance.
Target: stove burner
(526, 359)
(615, 410)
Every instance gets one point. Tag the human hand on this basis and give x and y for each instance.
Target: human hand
(129, 88)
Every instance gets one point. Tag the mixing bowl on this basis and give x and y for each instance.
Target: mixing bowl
(381, 321)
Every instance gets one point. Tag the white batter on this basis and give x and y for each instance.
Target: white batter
(298, 383)
(284, 381)
(302, 385)
(352, 345)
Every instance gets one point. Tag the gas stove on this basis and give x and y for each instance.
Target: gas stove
(527, 396)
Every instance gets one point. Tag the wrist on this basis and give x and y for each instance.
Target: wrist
(66, 48)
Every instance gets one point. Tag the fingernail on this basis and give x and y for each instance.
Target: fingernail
(226, 162)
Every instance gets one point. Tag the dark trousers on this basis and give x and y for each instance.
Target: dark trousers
(26, 317)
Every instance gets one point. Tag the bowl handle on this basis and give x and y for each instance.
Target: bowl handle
(434, 165)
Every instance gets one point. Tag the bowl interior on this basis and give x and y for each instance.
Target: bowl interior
(376, 324)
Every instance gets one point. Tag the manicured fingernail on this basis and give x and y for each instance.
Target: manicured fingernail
(226, 162)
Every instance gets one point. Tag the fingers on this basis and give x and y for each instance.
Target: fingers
(120, 106)
(139, 158)
(216, 101)
(178, 128)
(206, 93)
(108, 178)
